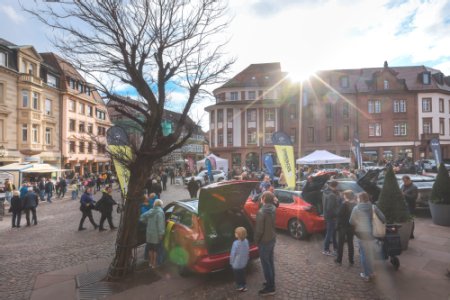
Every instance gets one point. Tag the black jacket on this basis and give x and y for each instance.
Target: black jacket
(192, 187)
(16, 204)
(156, 188)
(49, 187)
(331, 202)
(106, 203)
(343, 215)
(30, 200)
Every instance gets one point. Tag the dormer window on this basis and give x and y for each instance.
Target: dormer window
(51, 80)
(3, 60)
(344, 82)
(440, 78)
(386, 84)
(426, 78)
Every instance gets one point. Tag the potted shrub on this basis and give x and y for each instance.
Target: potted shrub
(393, 205)
(440, 198)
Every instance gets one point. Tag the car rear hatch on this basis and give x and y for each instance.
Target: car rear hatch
(368, 182)
(220, 209)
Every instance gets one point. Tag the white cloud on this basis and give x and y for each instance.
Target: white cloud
(12, 14)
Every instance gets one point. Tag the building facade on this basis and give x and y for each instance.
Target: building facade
(29, 107)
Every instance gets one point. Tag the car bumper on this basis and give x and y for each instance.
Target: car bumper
(214, 263)
(314, 224)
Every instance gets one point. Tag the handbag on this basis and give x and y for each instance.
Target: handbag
(378, 227)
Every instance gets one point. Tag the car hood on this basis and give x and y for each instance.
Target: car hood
(224, 195)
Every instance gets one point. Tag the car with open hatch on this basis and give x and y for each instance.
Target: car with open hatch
(200, 178)
(200, 232)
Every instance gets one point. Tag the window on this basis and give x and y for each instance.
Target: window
(293, 134)
(73, 84)
(90, 147)
(220, 116)
(2, 90)
(24, 98)
(48, 136)
(30, 69)
(426, 78)
(89, 111)
(374, 107)
(234, 96)
(71, 105)
(3, 59)
(328, 110)
(386, 84)
(346, 133)
(251, 115)
(101, 131)
(24, 133)
(426, 105)
(230, 118)
(292, 111)
(51, 80)
(400, 129)
(100, 114)
(90, 128)
(328, 136)
(268, 138)
(230, 139)
(48, 107)
(399, 106)
(88, 91)
(72, 146)
(375, 129)
(441, 126)
(220, 138)
(81, 127)
(71, 125)
(101, 149)
(427, 126)
(310, 134)
(34, 133)
(80, 87)
(441, 105)
(251, 137)
(345, 110)
(251, 95)
(344, 81)
(81, 147)
(35, 101)
(269, 114)
(81, 108)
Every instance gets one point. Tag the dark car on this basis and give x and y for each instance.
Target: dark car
(200, 232)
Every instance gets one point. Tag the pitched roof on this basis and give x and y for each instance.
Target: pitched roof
(61, 64)
(257, 75)
(6, 43)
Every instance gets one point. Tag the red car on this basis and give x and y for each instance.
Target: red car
(200, 233)
(294, 214)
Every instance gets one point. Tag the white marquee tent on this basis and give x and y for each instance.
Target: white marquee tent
(221, 163)
(322, 157)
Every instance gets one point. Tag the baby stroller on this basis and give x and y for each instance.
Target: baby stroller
(391, 246)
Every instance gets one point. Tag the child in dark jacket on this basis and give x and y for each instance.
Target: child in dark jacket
(239, 258)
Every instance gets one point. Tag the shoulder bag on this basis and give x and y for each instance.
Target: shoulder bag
(378, 227)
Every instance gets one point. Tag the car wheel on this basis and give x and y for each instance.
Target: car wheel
(297, 229)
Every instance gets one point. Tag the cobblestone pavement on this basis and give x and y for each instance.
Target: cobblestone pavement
(55, 243)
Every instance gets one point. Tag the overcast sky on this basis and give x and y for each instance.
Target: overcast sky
(306, 35)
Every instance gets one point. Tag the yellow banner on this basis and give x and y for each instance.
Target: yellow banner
(123, 174)
(285, 156)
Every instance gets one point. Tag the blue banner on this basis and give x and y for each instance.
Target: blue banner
(436, 149)
(209, 168)
(268, 162)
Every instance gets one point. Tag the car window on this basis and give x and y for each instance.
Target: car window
(284, 197)
(182, 216)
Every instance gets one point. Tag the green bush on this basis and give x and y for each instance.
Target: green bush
(440, 194)
(391, 201)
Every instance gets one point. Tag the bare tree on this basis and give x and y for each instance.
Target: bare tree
(147, 45)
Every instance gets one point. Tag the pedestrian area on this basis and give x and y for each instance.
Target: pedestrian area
(51, 260)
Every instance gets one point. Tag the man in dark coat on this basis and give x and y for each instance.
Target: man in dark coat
(30, 202)
(410, 192)
(87, 204)
(41, 187)
(193, 187)
(164, 180)
(331, 202)
(16, 209)
(172, 176)
(49, 187)
(156, 188)
(105, 206)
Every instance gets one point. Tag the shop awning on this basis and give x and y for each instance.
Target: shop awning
(16, 167)
(41, 168)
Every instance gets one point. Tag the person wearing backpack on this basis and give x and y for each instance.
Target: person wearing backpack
(361, 218)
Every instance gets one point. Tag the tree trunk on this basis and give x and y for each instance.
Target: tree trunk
(126, 240)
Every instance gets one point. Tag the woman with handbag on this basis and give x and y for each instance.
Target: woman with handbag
(362, 220)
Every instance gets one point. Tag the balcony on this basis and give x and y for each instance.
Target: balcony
(28, 78)
(30, 149)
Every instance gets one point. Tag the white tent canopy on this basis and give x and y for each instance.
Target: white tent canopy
(322, 157)
(221, 163)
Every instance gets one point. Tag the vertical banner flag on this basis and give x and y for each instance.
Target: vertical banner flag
(357, 150)
(117, 140)
(436, 149)
(209, 168)
(268, 162)
(285, 154)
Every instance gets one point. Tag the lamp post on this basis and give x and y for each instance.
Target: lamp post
(260, 157)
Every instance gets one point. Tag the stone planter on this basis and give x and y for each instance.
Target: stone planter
(440, 213)
(405, 233)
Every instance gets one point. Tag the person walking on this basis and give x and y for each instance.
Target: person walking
(164, 180)
(410, 192)
(344, 229)
(41, 188)
(239, 257)
(154, 218)
(16, 209)
(330, 202)
(9, 188)
(87, 204)
(265, 238)
(62, 187)
(30, 203)
(74, 188)
(361, 219)
(49, 187)
(192, 188)
(172, 176)
(105, 206)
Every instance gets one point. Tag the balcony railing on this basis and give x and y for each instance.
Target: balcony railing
(30, 78)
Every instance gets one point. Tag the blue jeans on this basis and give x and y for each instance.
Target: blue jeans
(239, 277)
(366, 253)
(266, 256)
(74, 195)
(330, 235)
(8, 196)
(49, 197)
